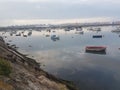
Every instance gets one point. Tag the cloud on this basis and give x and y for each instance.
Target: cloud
(52, 21)
(63, 1)
(57, 9)
(86, 2)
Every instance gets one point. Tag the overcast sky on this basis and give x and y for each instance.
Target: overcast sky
(57, 9)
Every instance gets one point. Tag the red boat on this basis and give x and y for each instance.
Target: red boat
(95, 49)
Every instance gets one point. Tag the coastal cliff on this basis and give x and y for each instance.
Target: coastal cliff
(25, 73)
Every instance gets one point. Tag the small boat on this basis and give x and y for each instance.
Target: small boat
(79, 32)
(55, 37)
(97, 36)
(90, 29)
(96, 29)
(116, 30)
(67, 29)
(47, 35)
(95, 49)
(11, 34)
(30, 33)
(53, 31)
(24, 35)
(48, 30)
(79, 29)
(19, 34)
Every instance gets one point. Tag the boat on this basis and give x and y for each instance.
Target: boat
(24, 35)
(95, 49)
(96, 29)
(116, 30)
(79, 32)
(53, 31)
(67, 29)
(48, 30)
(97, 36)
(19, 34)
(47, 35)
(30, 33)
(90, 29)
(55, 37)
(79, 29)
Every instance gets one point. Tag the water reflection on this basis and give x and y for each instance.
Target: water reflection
(88, 79)
(102, 53)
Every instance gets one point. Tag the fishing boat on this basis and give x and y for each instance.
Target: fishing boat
(95, 49)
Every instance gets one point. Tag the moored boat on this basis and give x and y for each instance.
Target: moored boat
(95, 49)
(55, 37)
(79, 32)
(116, 30)
(97, 29)
(97, 36)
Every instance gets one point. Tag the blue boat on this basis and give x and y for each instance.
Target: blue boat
(97, 36)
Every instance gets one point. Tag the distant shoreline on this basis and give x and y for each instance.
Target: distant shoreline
(64, 26)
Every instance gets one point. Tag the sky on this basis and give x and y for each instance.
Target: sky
(29, 11)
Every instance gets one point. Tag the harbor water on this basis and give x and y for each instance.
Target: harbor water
(66, 57)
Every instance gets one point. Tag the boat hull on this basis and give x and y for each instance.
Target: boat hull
(95, 49)
(97, 36)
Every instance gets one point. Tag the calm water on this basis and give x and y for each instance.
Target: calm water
(66, 58)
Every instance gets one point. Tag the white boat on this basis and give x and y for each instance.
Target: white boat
(79, 32)
(19, 34)
(55, 37)
(90, 29)
(96, 29)
(79, 29)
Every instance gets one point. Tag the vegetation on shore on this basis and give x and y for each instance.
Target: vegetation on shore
(5, 71)
(5, 67)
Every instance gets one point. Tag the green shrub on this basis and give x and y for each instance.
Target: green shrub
(5, 67)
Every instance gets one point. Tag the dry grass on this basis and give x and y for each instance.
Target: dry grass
(51, 84)
(5, 86)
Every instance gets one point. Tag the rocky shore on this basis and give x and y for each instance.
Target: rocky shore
(26, 73)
